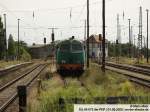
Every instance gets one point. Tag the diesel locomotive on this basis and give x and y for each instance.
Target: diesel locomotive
(70, 55)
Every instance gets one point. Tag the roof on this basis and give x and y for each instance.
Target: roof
(38, 45)
(97, 39)
(69, 40)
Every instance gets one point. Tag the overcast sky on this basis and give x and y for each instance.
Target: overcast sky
(56, 13)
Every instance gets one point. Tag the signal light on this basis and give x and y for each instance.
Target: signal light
(73, 37)
(53, 38)
(44, 40)
(117, 42)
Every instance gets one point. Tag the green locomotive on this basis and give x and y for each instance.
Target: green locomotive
(70, 55)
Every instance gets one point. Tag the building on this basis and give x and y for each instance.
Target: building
(41, 51)
(95, 46)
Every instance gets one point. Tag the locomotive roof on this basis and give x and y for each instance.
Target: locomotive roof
(69, 40)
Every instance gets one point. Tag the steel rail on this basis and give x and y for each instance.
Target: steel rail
(18, 78)
(143, 66)
(15, 95)
(135, 79)
(138, 80)
(13, 68)
(130, 68)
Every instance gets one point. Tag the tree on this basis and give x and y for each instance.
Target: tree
(23, 50)
(24, 45)
(11, 47)
(2, 40)
(125, 50)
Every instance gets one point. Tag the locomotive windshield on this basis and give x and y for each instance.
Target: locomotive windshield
(65, 47)
(76, 47)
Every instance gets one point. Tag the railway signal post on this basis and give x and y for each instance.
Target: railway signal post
(53, 42)
(53, 35)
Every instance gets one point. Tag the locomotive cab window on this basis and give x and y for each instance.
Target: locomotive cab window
(76, 47)
(65, 47)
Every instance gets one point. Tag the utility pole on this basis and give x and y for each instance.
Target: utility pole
(87, 33)
(134, 46)
(18, 42)
(140, 35)
(118, 29)
(147, 37)
(5, 35)
(118, 40)
(129, 39)
(145, 49)
(84, 32)
(103, 41)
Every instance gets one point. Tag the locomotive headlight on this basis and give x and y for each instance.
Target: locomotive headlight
(63, 61)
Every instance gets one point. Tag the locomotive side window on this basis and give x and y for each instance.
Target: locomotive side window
(65, 47)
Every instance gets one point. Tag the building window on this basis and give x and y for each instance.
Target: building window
(93, 45)
(90, 45)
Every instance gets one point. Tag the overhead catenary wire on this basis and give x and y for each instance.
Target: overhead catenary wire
(63, 8)
(37, 27)
(54, 9)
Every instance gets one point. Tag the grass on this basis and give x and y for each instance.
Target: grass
(4, 64)
(100, 85)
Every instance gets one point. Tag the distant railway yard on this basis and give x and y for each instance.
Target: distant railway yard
(50, 90)
(67, 76)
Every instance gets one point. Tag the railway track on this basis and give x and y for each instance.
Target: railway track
(136, 74)
(8, 92)
(137, 69)
(143, 66)
(14, 74)
(7, 70)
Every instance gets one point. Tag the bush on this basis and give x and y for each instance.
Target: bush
(25, 56)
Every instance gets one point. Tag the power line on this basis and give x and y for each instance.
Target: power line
(9, 11)
(54, 9)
